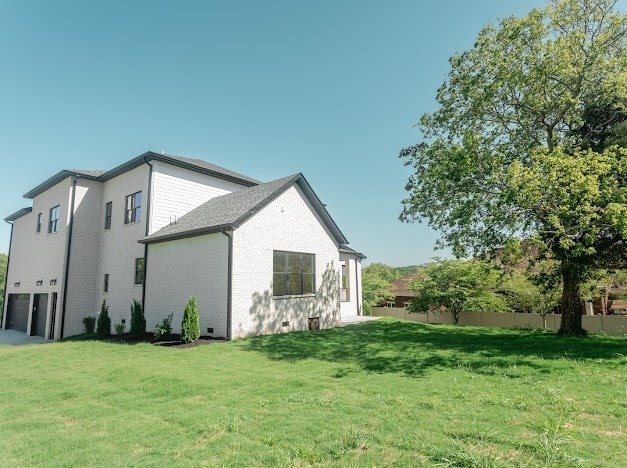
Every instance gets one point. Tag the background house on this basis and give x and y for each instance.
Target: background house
(79, 244)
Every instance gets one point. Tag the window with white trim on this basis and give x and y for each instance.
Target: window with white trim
(53, 222)
(133, 204)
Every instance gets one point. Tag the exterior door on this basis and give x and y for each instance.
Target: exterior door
(17, 312)
(40, 314)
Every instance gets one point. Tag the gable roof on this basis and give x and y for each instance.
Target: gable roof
(229, 211)
(196, 165)
(18, 214)
(400, 286)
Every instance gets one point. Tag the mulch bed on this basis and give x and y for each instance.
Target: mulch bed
(172, 341)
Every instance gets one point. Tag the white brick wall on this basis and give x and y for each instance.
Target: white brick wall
(119, 247)
(179, 269)
(40, 256)
(84, 257)
(287, 223)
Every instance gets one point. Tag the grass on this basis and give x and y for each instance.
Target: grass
(380, 393)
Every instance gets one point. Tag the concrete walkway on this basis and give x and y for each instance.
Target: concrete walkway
(351, 319)
(15, 338)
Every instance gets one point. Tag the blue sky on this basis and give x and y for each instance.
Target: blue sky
(331, 89)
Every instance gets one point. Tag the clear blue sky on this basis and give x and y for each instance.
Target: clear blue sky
(327, 88)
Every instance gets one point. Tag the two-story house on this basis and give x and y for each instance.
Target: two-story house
(259, 257)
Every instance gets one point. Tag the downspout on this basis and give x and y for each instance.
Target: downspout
(6, 277)
(148, 203)
(229, 280)
(67, 257)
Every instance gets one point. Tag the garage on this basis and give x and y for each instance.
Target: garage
(17, 312)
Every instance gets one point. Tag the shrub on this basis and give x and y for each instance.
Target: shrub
(119, 328)
(190, 328)
(165, 328)
(104, 321)
(138, 321)
(90, 324)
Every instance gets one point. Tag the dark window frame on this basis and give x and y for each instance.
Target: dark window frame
(293, 273)
(139, 270)
(38, 225)
(53, 223)
(132, 208)
(108, 215)
(105, 287)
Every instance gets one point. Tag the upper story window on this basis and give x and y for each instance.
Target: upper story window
(133, 208)
(108, 212)
(38, 226)
(53, 223)
(105, 287)
(293, 273)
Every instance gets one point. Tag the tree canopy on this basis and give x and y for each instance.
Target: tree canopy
(460, 286)
(509, 154)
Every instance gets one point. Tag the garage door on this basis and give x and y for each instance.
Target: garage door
(17, 312)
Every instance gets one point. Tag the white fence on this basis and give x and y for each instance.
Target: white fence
(608, 324)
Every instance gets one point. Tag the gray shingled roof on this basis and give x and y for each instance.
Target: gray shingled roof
(231, 210)
(18, 214)
(348, 250)
(226, 211)
(197, 165)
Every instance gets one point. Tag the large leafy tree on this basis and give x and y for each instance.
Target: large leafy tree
(376, 284)
(504, 156)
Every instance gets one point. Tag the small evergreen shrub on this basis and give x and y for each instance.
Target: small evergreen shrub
(104, 321)
(190, 328)
(90, 324)
(165, 328)
(119, 328)
(138, 321)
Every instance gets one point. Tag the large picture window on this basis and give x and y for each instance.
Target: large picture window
(133, 208)
(53, 223)
(293, 273)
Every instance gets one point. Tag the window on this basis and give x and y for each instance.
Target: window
(139, 271)
(106, 283)
(293, 273)
(53, 223)
(38, 228)
(108, 211)
(133, 208)
(344, 283)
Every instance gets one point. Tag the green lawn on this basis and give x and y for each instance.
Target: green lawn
(380, 393)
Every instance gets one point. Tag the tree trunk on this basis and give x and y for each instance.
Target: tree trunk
(571, 303)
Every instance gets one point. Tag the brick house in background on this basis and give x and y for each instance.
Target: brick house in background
(401, 292)
(259, 257)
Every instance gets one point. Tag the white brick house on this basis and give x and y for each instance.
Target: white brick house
(161, 228)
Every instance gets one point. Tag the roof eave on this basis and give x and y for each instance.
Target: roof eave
(186, 234)
(18, 214)
(54, 180)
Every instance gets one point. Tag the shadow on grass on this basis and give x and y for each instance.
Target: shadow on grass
(412, 349)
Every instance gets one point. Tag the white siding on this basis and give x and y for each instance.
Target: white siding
(177, 191)
(40, 256)
(287, 223)
(182, 268)
(119, 247)
(353, 306)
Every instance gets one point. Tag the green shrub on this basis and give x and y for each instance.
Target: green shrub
(90, 324)
(119, 328)
(190, 328)
(165, 328)
(138, 321)
(104, 321)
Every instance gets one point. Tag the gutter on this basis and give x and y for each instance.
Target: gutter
(67, 257)
(6, 278)
(148, 206)
(229, 280)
